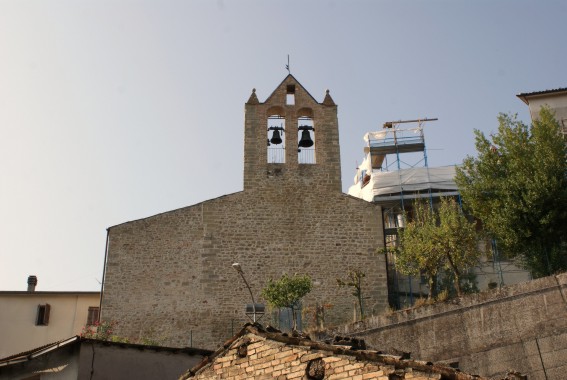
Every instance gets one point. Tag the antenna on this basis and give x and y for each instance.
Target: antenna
(287, 66)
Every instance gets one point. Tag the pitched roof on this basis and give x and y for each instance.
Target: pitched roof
(343, 346)
(34, 352)
(524, 95)
(38, 351)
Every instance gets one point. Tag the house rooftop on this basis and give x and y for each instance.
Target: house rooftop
(339, 346)
(38, 351)
(524, 95)
(47, 292)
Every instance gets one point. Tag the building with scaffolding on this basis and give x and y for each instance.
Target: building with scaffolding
(394, 174)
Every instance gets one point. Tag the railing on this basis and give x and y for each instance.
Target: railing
(276, 155)
(396, 136)
(306, 155)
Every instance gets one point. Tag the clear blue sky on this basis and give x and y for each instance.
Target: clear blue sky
(115, 110)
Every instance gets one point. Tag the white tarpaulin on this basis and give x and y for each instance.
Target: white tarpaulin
(406, 180)
(391, 133)
(413, 180)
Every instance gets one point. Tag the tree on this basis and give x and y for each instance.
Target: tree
(354, 280)
(416, 253)
(287, 292)
(434, 241)
(457, 240)
(517, 188)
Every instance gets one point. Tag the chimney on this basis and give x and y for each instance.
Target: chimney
(32, 282)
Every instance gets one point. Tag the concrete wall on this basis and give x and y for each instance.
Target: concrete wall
(112, 361)
(60, 364)
(169, 276)
(18, 313)
(521, 327)
(97, 360)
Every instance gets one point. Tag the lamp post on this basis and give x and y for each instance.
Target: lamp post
(238, 268)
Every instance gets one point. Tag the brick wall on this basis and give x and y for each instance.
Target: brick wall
(521, 327)
(273, 356)
(169, 276)
(269, 359)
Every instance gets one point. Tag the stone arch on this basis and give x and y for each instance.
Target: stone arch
(275, 111)
(305, 112)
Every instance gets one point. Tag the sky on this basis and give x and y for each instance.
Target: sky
(116, 110)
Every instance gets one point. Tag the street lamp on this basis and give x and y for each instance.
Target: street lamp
(238, 268)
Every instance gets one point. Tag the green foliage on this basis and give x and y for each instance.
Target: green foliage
(468, 284)
(287, 292)
(102, 331)
(416, 253)
(435, 241)
(354, 280)
(517, 188)
(105, 331)
(149, 342)
(457, 241)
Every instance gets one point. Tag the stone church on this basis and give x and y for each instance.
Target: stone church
(168, 277)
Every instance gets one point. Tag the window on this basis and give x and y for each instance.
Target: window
(43, 315)
(92, 317)
(285, 318)
(290, 95)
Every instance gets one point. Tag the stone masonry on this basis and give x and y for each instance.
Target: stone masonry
(521, 327)
(169, 277)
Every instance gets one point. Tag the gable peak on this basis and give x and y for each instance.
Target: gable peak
(288, 81)
(328, 101)
(253, 99)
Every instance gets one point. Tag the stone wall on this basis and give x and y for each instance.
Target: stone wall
(169, 277)
(521, 327)
(322, 177)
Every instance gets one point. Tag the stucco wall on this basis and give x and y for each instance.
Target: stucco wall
(521, 327)
(18, 312)
(557, 103)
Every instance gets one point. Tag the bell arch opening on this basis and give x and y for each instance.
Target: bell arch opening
(276, 138)
(305, 140)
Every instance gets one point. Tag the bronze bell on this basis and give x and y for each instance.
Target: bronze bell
(276, 139)
(305, 141)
